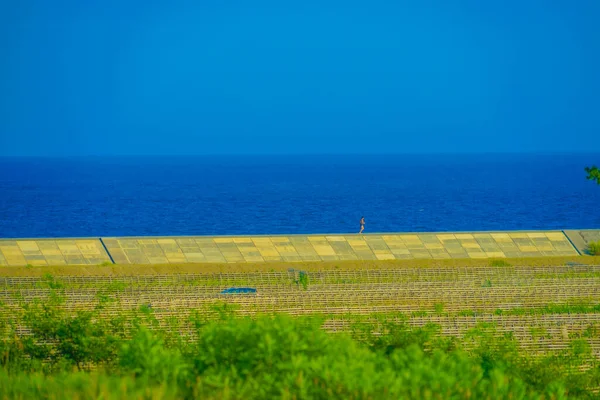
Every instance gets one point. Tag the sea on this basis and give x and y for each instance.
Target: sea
(294, 194)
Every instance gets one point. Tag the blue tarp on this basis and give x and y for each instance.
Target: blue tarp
(238, 290)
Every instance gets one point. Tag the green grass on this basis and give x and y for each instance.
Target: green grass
(500, 263)
(158, 269)
(567, 275)
(582, 308)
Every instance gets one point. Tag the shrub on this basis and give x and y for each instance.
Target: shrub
(593, 173)
(303, 280)
(594, 248)
(145, 356)
(277, 356)
(79, 340)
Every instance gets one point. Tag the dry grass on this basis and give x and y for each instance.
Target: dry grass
(185, 268)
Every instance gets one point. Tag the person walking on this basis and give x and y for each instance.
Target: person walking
(362, 225)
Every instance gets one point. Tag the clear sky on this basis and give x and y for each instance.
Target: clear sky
(211, 77)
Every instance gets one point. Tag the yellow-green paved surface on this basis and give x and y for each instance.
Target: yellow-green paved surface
(252, 249)
(52, 252)
(338, 247)
(582, 238)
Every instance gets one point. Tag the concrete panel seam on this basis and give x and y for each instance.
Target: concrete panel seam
(106, 250)
(572, 244)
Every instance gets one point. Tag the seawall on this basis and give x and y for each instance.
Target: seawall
(293, 248)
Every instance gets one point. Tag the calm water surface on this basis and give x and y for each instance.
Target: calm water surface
(125, 196)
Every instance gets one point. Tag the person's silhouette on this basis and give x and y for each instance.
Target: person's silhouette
(362, 225)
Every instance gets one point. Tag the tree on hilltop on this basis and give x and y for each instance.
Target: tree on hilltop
(593, 173)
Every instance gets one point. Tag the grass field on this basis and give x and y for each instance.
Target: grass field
(188, 268)
(537, 320)
(517, 295)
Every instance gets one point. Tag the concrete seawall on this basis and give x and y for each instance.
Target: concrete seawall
(290, 248)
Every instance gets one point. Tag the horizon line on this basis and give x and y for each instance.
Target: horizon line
(556, 152)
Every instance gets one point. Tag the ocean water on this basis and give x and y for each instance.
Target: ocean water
(231, 195)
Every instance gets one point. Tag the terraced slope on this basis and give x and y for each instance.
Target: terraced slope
(544, 307)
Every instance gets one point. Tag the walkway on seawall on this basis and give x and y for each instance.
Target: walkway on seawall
(291, 248)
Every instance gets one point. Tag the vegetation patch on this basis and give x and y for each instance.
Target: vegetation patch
(594, 248)
(209, 268)
(500, 263)
(398, 334)
(276, 356)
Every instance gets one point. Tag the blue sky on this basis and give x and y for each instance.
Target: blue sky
(198, 77)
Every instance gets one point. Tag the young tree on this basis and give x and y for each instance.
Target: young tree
(593, 173)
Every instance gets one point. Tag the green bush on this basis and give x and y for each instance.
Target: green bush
(594, 248)
(276, 356)
(593, 173)
(282, 357)
(303, 279)
(145, 355)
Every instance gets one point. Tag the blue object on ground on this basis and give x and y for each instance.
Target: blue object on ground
(240, 290)
(574, 264)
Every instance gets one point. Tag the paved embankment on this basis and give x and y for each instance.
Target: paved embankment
(290, 248)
